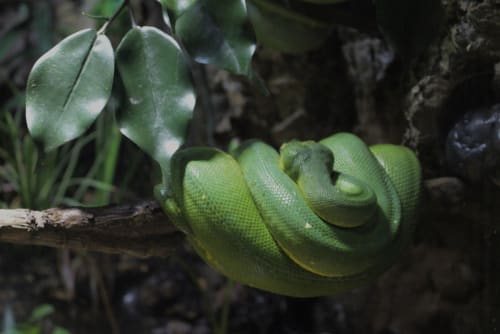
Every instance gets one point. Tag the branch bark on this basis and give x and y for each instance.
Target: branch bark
(139, 229)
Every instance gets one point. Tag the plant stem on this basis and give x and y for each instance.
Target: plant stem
(124, 4)
(109, 168)
(132, 18)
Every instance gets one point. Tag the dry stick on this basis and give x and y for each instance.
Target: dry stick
(139, 229)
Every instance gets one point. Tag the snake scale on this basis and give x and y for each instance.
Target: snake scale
(318, 218)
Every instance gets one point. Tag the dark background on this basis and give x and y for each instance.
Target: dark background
(447, 282)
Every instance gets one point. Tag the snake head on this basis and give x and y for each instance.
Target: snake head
(296, 156)
(337, 198)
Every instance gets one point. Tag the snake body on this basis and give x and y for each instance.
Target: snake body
(250, 214)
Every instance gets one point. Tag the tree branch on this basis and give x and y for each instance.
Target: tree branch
(139, 229)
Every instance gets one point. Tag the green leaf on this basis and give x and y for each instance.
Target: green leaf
(41, 312)
(106, 8)
(285, 30)
(60, 330)
(172, 9)
(409, 25)
(218, 32)
(177, 6)
(68, 87)
(160, 94)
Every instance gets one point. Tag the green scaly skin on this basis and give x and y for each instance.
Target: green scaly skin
(250, 220)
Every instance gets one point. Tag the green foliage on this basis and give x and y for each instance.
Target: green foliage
(218, 32)
(177, 7)
(71, 84)
(286, 30)
(49, 180)
(106, 8)
(34, 324)
(68, 87)
(160, 97)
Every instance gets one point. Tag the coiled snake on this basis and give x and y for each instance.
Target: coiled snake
(316, 219)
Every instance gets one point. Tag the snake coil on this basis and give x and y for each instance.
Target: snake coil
(317, 219)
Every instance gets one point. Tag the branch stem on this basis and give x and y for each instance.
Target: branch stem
(139, 229)
(104, 27)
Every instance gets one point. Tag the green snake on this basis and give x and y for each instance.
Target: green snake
(318, 218)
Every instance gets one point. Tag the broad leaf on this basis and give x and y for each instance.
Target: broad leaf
(285, 30)
(409, 25)
(160, 94)
(172, 9)
(177, 7)
(218, 32)
(41, 312)
(68, 87)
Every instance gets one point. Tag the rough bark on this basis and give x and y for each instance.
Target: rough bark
(139, 229)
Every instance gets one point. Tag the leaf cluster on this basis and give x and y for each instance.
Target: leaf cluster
(71, 84)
